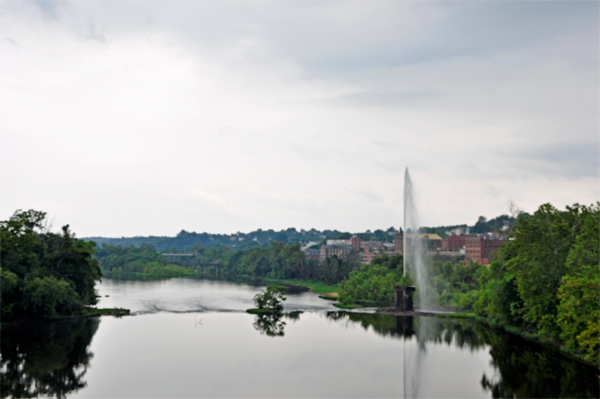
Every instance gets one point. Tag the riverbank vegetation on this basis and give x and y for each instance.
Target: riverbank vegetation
(543, 280)
(44, 274)
(278, 261)
(374, 284)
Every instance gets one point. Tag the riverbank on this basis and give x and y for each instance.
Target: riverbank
(527, 334)
(317, 287)
(88, 312)
(140, 274)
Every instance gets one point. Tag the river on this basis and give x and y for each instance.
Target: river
(191, 338)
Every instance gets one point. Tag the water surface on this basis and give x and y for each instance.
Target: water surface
(192, 338)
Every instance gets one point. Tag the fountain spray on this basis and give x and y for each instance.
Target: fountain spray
(415, 257)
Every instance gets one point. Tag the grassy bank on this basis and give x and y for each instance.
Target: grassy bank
(461, 316)
(186, 274)
(347, 306)
(318, 287)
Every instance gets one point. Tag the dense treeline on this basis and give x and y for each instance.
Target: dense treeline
(544, 279)
(278, 261)
(143, 259)
(44, 274)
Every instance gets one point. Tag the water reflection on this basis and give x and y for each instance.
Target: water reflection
(48, 359)
(526, 369)
(386, 325)
(522, 368)
(273, 325)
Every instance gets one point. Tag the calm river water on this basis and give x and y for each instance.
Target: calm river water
(192, 338)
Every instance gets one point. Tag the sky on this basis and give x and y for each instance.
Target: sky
(126, 118)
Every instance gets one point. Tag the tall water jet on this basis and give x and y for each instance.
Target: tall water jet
(415, 256)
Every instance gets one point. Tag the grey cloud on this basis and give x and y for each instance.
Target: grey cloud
(365, 193)
(326, 37)
(462, 29)
(572, 160)
(50, 9)
(389, 99)
(92, 32)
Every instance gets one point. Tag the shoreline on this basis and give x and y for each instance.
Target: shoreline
(91, 312)
(544, 341)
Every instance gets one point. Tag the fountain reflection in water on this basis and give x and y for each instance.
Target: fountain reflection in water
(416, 261)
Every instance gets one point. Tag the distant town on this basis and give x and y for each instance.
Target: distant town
(477, 247)
(477, 242)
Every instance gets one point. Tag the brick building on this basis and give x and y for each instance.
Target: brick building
(431, 242)
(356, 243)
(342, 251)
(367, 257)
(398, 243)
(453, 243)
(311, 254)
(481, 248)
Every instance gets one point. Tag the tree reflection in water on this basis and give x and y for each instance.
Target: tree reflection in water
(523, 368)
(46, 359)
(272, 324)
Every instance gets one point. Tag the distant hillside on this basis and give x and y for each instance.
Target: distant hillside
(259, 238)
(183, 241)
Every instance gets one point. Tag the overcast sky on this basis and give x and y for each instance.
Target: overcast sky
(127, 118)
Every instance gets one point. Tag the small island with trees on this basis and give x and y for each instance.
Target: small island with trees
(45, 274)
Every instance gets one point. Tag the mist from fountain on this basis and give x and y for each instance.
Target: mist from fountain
(416, 261)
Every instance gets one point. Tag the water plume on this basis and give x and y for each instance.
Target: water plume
(415, 251)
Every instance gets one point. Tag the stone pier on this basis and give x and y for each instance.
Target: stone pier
(404, 298)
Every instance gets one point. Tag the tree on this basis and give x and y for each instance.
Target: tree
(579, 310)
(46, 273)
(271, 299)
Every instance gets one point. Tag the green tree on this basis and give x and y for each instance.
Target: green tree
(579, 294)
(271, 299)
(536, 256)
(44, 273)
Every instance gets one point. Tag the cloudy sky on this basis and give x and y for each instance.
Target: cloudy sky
(127, 118)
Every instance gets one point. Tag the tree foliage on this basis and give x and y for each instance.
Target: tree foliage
(546, 277)
(271, 299)
(375, 282)
(43, 273)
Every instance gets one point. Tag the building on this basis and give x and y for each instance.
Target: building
(431, 242)
(355, 242)
(481, 248)
(453, 243)
(372, 246)
(389, 248)
(337, 242)
(311, 254)
(342, 251)
(367, 257)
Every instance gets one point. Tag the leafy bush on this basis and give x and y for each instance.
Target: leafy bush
(372, 283)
